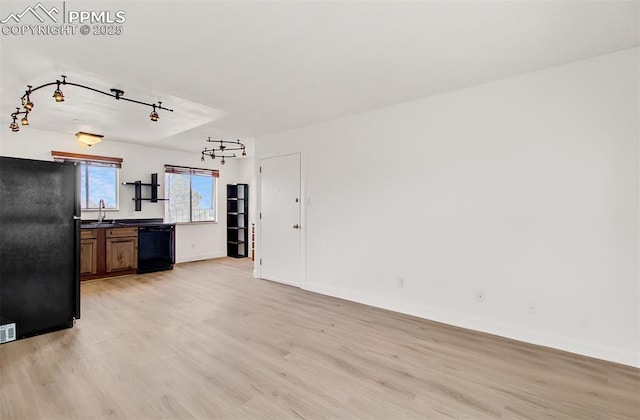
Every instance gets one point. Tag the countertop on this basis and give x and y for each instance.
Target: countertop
(93, 224)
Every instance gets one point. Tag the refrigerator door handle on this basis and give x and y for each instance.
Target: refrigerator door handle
(77, 217)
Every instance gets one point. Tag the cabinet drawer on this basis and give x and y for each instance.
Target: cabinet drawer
(88, 234)
(122, 232)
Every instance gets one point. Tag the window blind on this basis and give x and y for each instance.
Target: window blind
(91, 159)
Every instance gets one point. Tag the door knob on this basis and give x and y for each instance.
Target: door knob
(296, 226)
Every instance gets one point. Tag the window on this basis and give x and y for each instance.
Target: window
(98, 179)
(191, 193)
(98, 182)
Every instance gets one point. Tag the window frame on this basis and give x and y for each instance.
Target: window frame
(92, 160)
(184, 170)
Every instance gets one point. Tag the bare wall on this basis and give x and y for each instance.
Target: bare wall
(525, 189)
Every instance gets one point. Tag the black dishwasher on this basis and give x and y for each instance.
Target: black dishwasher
(156, 247)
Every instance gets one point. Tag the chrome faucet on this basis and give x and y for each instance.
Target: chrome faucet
(102, 212)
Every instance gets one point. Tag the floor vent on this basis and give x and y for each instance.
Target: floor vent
(7, 332)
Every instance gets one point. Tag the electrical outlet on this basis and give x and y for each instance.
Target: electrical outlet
(193, 246)
(480, 296)
(400, 282)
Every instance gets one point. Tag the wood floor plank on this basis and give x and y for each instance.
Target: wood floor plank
(208, 341)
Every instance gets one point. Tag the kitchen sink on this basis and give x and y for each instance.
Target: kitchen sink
(92, 225)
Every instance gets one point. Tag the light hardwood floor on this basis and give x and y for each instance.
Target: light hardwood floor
(206, 340)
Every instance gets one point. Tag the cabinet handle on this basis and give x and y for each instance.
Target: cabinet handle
(296, 226)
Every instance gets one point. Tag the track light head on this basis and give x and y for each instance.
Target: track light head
(58, 96)
(14, 126)
(154, 115)
(26, 100)
(25, 120)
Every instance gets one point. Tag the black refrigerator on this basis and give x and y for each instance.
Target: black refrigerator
(39, 247)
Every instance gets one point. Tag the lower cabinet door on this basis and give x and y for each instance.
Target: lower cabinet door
(88, 256)
(122, 253)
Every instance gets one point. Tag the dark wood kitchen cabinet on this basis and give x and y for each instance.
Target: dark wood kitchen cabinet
(88, 251)
(106, 252)
(121, 249)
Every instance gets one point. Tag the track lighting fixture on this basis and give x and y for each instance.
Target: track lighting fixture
(224, 149)
(59, 97)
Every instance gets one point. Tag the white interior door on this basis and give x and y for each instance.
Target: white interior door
(280, 219)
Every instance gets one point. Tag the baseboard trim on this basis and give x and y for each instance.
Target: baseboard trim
(199, 257)
(503, 329)
(279, 281)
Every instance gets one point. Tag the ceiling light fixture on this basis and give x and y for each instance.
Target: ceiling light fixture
(222, 150)
(59, 97)
(88, 138)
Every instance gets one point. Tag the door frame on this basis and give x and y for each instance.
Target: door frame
(257, 273)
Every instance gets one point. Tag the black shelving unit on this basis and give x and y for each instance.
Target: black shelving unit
(137, 195)
(237, 220)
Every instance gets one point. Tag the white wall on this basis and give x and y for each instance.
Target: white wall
(193, 241)
(525, 188)
(247, 175)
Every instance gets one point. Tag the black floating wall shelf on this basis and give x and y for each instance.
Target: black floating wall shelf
(138, 191)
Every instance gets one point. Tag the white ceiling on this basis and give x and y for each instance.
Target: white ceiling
(245, 69)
